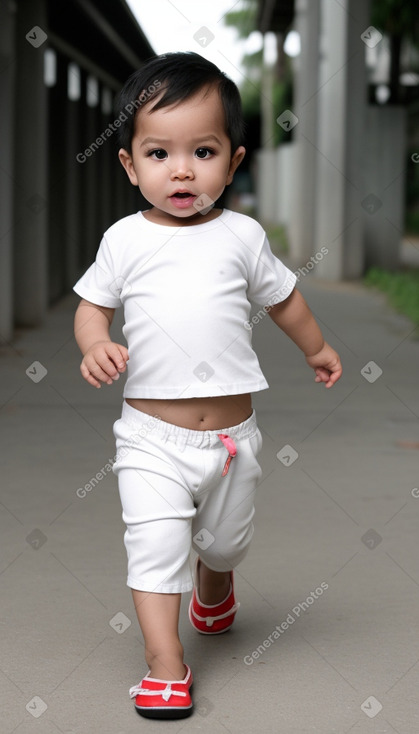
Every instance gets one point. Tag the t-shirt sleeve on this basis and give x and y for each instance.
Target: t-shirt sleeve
(270, 281)
(100, 283)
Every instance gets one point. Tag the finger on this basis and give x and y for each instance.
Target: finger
(118, 356)
(93, 368)
(88, 377)
(92, 381)
(106, 362)
(334, 377)
(123, 358)
(322, 375)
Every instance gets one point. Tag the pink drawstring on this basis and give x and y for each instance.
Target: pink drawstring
(231, 448)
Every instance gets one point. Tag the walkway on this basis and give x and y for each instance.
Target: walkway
(327, 636)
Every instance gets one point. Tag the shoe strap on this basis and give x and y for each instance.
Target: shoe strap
(165, 693)
(210, 620)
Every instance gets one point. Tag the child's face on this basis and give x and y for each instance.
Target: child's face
(180, 153)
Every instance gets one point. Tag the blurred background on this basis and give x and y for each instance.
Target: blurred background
(330, 95)
(331, 100)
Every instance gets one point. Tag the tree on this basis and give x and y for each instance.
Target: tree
(245, 22)
(399, 19)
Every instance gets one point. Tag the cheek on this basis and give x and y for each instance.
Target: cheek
(147, 173)
(154, 170)
(226, 166)
(217, 170)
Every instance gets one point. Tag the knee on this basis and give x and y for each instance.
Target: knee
(223, 555)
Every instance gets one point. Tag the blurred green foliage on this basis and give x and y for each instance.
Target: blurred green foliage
(401, 288)
(399, 19)
(396, 17)
(278, 239)
(244, 21)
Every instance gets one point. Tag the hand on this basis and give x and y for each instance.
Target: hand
(103, 362)
(326, 365)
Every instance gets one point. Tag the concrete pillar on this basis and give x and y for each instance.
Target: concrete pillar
(284, 159)
(266, 189)
(91, 171)
(305, 107)
(7, 80)
(106, 155)
(383, 203)
(57, 184)
(266, 102)
(30, 166)
(84, 257)
(74, 171)
(341, 141)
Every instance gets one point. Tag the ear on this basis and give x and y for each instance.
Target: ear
(127, 163)
(236, 159)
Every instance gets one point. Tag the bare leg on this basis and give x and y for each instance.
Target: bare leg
(158, 616)
(213, 586)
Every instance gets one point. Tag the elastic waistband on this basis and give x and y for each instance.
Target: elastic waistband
(145, 425)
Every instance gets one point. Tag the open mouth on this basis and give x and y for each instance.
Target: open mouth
(183, 199)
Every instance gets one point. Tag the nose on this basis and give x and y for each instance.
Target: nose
(181, 171)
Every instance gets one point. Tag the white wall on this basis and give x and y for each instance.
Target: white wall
(275, 170)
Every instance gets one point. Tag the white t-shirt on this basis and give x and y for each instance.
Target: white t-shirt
(186, 293)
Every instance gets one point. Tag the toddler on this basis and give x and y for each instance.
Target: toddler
(187, 440)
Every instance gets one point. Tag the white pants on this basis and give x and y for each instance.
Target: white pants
(173, 495)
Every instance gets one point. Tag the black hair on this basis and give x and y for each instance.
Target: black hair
(177, 76)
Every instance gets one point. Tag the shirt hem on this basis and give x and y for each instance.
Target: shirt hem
(95, 298)
(158, 393)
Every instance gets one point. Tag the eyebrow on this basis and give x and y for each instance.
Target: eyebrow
(164, 141)
(211, 136)
(154, 140)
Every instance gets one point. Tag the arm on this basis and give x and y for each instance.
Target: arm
(103, 360)
(294, 317)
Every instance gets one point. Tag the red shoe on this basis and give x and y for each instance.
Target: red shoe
(163, 699)
(212, 619)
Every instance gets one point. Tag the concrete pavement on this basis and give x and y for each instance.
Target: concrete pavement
(326, 639)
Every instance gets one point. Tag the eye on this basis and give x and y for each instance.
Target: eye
(158, 154)
(203, 153)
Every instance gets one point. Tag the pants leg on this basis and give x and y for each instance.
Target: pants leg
(157, 510)
(173, 491)
(222, 528)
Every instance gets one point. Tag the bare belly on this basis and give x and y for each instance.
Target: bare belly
(200, 414)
